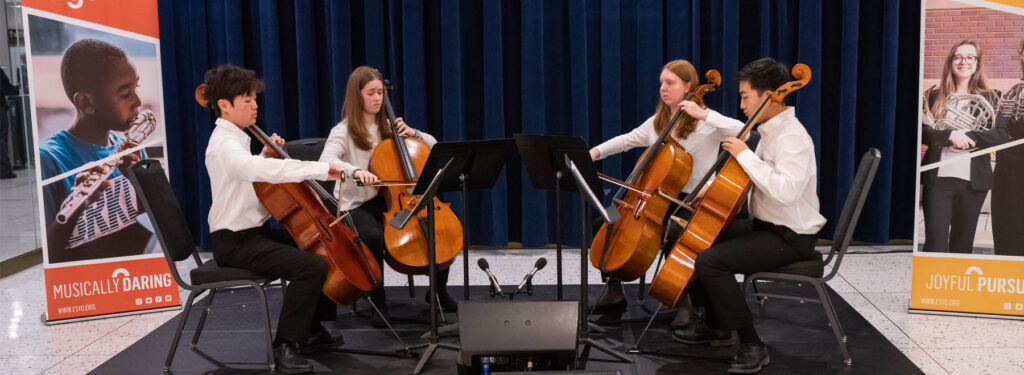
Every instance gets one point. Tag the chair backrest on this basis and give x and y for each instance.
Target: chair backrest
(305, 149)
(309, 149)
(158, 199)
(851, 208)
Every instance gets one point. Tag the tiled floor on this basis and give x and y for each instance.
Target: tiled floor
(876, 283)
(18, 214)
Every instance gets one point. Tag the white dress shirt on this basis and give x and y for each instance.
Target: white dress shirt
(340, 149)
(784, 173)
(233, 169)
(959, 169)
(702, 144)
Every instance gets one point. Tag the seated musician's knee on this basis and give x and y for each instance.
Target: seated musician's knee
(316, 268)
(708, 264)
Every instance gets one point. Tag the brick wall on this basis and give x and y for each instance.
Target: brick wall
(999, 34)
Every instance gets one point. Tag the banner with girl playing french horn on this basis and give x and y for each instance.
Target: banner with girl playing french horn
(97, 108)
(969, 242)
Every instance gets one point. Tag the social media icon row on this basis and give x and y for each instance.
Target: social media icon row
(151, 300)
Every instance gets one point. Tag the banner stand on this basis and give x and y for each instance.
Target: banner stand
(42, 317)
(96, 107)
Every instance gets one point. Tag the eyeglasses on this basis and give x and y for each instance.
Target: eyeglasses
(970, 59)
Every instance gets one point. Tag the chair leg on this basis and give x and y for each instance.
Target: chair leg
(202, 319)
(760, 299)
(837, 330)
(266, 325)
(177, 333)
(412, 289)
(355, 309)
(640, 287)
(752, 283)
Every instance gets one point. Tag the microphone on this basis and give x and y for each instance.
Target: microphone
(536, 267)
(494, 281)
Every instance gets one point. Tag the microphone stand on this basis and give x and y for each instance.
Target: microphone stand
(528, 281)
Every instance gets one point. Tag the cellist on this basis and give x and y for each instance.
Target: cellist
(238, 229)
(700, 132)
(350, 144)
(784, 207)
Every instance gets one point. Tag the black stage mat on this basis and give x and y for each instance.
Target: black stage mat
(799, 340)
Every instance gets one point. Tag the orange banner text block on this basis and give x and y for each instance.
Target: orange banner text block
(137, 16)
(105, 288)
(985, 286)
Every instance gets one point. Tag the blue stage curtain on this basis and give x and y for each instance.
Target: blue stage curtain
(470, 69)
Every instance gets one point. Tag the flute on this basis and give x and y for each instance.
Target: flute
(141, 128)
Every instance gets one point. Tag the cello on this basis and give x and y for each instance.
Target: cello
(656, 181)
(716, 211)
(352, 270)
(396, 160)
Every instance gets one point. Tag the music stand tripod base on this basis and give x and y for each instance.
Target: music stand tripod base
(427, 194)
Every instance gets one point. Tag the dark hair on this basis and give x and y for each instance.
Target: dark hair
(228, 82)
(764, 74)
(87, 64)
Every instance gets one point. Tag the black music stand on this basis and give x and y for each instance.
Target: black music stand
(399, 221)
(546, 171)
(482, 162)
(549, 159)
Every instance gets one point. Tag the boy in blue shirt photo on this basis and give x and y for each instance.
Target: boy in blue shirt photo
(94, 213)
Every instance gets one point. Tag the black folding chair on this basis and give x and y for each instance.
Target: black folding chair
(811, 272)
(177, 242)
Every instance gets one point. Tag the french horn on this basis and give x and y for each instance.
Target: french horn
(1011, 105)
(971, 112)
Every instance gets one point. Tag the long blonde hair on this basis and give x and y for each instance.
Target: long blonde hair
(978, 83)
(686, 124)
(352, 109)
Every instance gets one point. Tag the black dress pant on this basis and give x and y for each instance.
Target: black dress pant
(1008, 198)
(951, 210)
(748, 247)
(368, 220)
(272, 253)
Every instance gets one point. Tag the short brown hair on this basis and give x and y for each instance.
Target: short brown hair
(87, 64)
(228, 82)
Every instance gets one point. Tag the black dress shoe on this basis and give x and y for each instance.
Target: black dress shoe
(8, 175)
(750, 358)
(289, 360)
(323, 341)
(698, 333)
(448, 304)
(608, 308)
